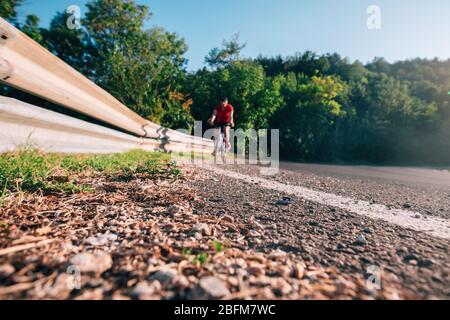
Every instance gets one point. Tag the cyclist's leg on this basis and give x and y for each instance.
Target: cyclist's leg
(226, 133)
(217, 141)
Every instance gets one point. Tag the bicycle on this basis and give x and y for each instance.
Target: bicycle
(220, 145)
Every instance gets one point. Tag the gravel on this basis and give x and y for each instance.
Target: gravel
(135, 239)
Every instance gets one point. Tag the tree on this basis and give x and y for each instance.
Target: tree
(31, 28)
(143, 69)
(70, 45)
(8, 9)
(230, 51)
(308, 119)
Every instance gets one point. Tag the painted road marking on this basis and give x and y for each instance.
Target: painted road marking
(436, 227)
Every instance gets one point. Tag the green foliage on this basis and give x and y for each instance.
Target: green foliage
(8, 9)
(222, 57)
(256, 96)
(330, 109)
(201, 258)
(70, 45)
(308, 119)
(217, 246)
(327, 107)
(31, 171)
(31, 28)
(141, 68)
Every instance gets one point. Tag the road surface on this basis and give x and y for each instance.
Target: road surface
(320, 212)
(401, 175)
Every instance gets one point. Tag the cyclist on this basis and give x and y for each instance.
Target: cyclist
(223, 114)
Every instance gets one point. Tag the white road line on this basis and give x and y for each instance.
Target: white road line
(436, 227)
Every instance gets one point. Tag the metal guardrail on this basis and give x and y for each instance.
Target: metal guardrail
(26, 125)
(29, 67)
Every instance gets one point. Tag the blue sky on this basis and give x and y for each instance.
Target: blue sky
(410, 28)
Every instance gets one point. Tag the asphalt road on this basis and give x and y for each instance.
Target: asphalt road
(402, 175)
(318, 213)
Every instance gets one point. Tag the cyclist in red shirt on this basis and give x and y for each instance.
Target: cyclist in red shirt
(223, 114)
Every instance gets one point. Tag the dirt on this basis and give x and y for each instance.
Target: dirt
(204, 236)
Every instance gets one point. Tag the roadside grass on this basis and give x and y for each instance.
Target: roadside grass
(32, 170)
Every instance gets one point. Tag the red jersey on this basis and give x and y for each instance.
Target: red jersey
(224, 114)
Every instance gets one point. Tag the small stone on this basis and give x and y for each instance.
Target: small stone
(98, 262)
(228, 218)
(418, 216)
(283, 202)
(6, 270)
(165, 276)
(278, 255)
(210, 288)
(62, 287)
(410, 258)
(254, 234)
(413, 262)
(402, 250)
(426, 263)
(281, 288)
(281, 271)
(174, 210)
(255, 271)
(102, 239)
(144, 291)
(360, 240)
(298, 271)
(181, 282)
(175, 257)
(202, 228)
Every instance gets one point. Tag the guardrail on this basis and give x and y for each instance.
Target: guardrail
(27, 66)
(26, 125)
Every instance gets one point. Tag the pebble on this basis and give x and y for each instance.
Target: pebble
(202, 228)
(413, 262)
(426, 263)
(360, 240)
(228, 218)
(283, 202)
(62, 287)
(175, 257)
(410, 258)
(6, 270)
(210, 288)
(174, 210)
(98, 262)
(299, 271)
(402, 250)
(254, 234)
(256, 271)
(144, 290)
(102, 239)
(165, 276)
(278, 255)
